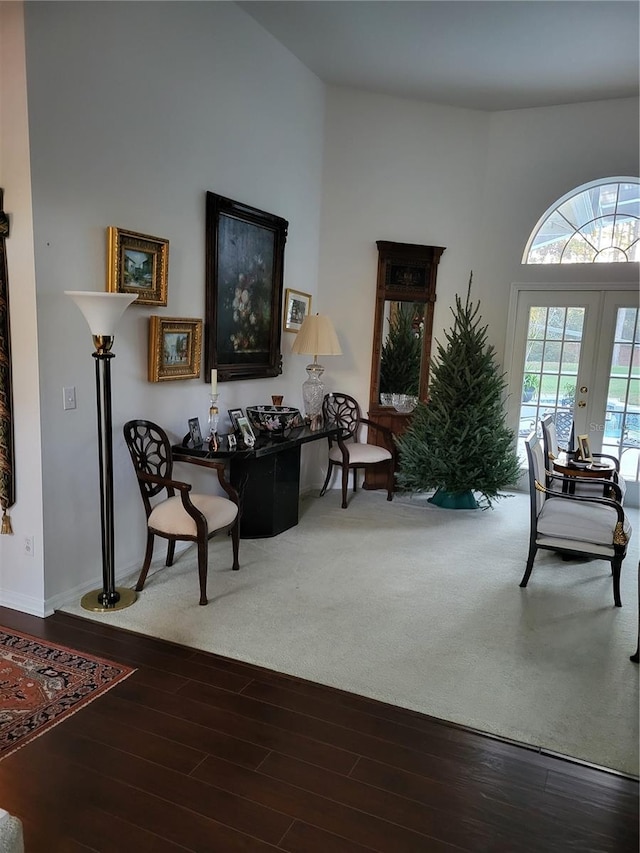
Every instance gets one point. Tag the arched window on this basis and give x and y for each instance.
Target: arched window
(598, 222)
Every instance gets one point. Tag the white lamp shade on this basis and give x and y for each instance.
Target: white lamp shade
(316, 337)
(102, 311)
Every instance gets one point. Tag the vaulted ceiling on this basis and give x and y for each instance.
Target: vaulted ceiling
(478, 54)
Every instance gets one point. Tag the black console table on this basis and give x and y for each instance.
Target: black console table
(266, 476)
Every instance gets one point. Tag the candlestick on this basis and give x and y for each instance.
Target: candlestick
(214, 382)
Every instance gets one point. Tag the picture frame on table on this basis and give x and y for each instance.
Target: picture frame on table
(296, 307)
(584, 449)
(175, 348)
(195, 433)
(234, 414)
(244, 264)
(246, 432)
(137, 263)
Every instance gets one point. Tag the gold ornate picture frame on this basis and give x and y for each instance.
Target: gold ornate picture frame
(137, 263)
(175, 348)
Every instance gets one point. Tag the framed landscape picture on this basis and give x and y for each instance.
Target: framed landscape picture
(137, 263)
(175, 348)
(244, 264)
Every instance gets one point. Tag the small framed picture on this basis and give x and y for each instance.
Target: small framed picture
(584, 449)
(175, 348)
(234, 414)
(194, 432)
(296, 307)
(137, 263)
(246, 432)
(231, 441)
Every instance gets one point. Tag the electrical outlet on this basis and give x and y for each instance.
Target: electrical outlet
(29, 546)
(69, 397)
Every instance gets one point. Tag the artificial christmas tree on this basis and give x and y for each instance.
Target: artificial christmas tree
(458, 443)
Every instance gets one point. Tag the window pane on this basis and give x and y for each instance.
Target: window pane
(606, 214)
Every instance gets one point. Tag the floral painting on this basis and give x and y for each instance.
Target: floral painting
(245, 283)
(244, 270)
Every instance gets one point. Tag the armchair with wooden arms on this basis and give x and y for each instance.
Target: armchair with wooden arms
(552, 450)
(347, 451)
(177, 517)
(574, 525)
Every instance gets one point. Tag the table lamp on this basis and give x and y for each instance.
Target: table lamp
(316, 337)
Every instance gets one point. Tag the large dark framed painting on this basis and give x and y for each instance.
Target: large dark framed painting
(244, 275)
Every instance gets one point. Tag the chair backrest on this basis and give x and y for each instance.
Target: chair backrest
(550, 441)
(343, 411)
(537, 471)
(150, 451)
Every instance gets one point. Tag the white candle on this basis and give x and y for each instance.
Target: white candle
(214, 381)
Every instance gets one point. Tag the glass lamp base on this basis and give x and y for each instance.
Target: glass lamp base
(313, 394)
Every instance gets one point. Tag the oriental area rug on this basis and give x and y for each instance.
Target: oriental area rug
(42, 683)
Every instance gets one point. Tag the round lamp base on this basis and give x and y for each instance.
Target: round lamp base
(93, 600)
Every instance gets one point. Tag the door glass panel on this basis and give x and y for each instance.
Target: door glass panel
(552, 355)
(622, 418)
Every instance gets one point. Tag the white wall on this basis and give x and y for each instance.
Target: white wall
(473, 182)
(535, 157)
(395, 170)
(135, 113)
(21, 576)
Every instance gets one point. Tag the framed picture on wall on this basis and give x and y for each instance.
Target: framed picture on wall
(175, 348)
(296, 307)
(244, 264)
(137, 263)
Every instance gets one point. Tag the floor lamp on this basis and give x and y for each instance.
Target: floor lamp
(102, 312)
(316, 337)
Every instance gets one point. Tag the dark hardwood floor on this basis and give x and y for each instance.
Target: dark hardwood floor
(195, 752)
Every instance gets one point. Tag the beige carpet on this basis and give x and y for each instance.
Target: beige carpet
(420, 607)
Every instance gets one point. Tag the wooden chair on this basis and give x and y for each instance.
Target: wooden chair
(552, 449)
(177, 517)
(574, 525)
(347, 451)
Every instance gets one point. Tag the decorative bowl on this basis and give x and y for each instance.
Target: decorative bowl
(273, 420)
(386, 399)
(404, 403)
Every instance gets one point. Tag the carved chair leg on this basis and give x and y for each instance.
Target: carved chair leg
(203, 556)
(147, 562)
(235, 541)
(345, 485)
(616, 565)
(390, 482)
(327, 478)
(527, 572)
(171, 550)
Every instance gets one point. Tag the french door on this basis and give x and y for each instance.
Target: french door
(576, 356)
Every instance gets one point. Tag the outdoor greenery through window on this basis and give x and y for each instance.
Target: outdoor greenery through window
(596, 223)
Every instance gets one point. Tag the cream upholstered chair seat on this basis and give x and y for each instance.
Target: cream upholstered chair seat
(171, 518)
(365, 454)
(576, 525)
(172, 511)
